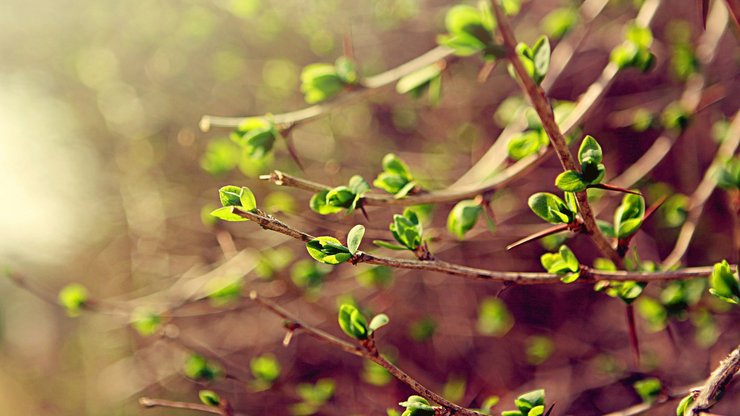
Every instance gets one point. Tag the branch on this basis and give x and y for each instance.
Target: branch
(369, 84)
(701, 194)
(149, 403)
(588, 275)
(710, 394)
(544, 111)
(360, 351)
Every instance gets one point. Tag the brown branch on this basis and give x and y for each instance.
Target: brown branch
(710, 394)
(588, 275)
(368, 85)
(701, 194)
(364, 352)
(149, 403)
(547, 118)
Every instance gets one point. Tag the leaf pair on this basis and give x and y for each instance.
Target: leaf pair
(728, 174)
(256, 135)
(563, 263)
(552, 209)
(635, 50)
(355, 325)
(330, 251)
(73, 298)
(528, 404)
(536, 60)
(470, 31)
(341, 198)
(234, 198)
(592, 170)
(417, 406)
(319, 82)
(395, 178)
(627, 291)
(724, 283)
(406, 229)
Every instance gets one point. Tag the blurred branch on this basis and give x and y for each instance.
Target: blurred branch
(700, 196)
(366, 350)
(690, 100)
(544, 111)
(588, 275)
(369, 84)
(149, 403)
(709, 394)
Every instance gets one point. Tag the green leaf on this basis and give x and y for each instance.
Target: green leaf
(346, 70)
(352, 322)
(227, 214)
(724, 283)
(530, 400)
(629, 215)
(145, 321)
(463, 217)
(563, 263)
(648, 389)
(222, 290)
(590, 151)
(256, 135)
(407, 229)
(541, 57)
(328, 250)
(358, 185)
(728, 174)
(683, 405)
(73, 298)
(354, 238)
(198, 367)
(209, 398)
(571, 181)
(248, 202)
(526, 144)
(550, 208)
(511, 7)
(308, 274)
(230, 195)
(378, 321)
(417, 406)
(265, 368)
(560, 21)
(391, 246)
(494, 317)
(318, 204)
(320, 82)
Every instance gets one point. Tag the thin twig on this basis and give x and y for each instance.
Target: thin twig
(368, 85)
(588, 275)
(547, 118)
(360, 351)
(709, 394)
(701, 194)
(149, 403)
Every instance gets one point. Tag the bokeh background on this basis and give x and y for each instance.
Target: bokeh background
(105, 176)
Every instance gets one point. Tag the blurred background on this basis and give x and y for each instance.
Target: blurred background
(106, 179)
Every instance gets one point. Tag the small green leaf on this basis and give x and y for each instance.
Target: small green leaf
(541, 57)
(328, 250)
(571, 181)
(560, 21)
(73, 298)
(378, 321)
(494, 318)
(320, 82)
(407, 229)
(318, 204)
(728, 174)
(354, 238)
(530, 400)
(346, 70)
(550, 208)
(230, 195)
(724, 283)
(526, 144)
(417, 406)
(145, 321)
(590, 151)
(209, 398)
(683, 405)
(227, 214)
(629, 215)
(352, 322)
(265, 368)
(648, 389)
(198, 367)
(248, 202)
(463, 217)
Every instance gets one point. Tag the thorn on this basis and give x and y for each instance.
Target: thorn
(540, 234)
(292, 151)
(632, 329)
(609, 187)
(364, 213)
